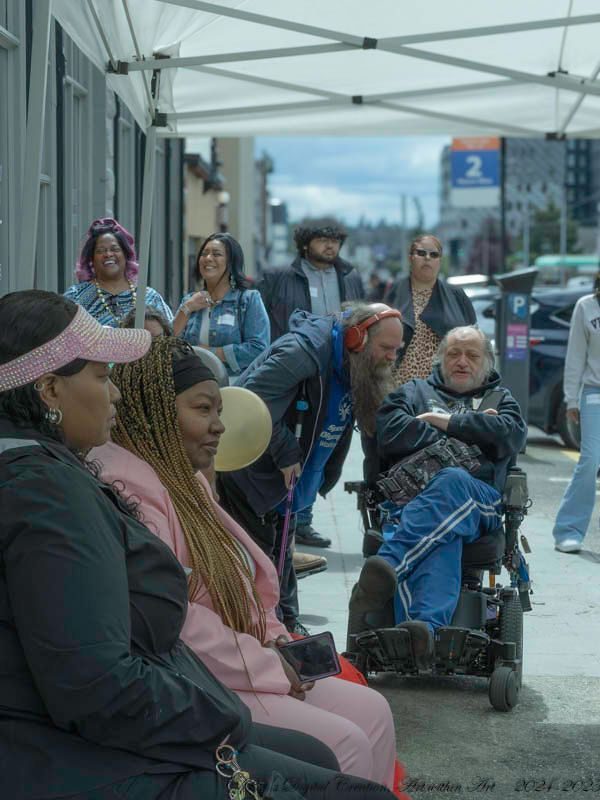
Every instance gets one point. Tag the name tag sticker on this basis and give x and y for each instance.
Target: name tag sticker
(314, 292)
(227, 319)
(592, 399)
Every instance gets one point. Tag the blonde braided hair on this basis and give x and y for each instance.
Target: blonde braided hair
(147, 426)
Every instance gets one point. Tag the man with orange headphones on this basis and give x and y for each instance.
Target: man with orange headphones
(319, 380)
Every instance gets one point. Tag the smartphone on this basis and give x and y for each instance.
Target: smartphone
(313, 657)
(491, 400)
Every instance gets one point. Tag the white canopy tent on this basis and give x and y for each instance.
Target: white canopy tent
(258, 67)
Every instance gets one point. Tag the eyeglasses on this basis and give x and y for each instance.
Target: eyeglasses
(434, 254)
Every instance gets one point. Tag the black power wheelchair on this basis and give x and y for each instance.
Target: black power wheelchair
(486, 634)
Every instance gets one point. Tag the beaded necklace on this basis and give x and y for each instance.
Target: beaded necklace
(100, 292)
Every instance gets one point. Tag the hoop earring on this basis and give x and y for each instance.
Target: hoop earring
(39, 387)
(54, 416)
(232, 280)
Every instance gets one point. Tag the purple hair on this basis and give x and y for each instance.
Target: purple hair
(84, 268)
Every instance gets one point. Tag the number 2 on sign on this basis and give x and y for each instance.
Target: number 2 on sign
(474, 170)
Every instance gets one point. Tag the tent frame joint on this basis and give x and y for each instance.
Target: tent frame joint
(121, 68)
(369, 43)
(160, 120)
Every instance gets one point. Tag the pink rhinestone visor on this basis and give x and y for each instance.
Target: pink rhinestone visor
(85, 338)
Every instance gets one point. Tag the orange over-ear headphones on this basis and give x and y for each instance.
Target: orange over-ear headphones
(356, 337)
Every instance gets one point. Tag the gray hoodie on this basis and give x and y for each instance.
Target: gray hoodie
(582, 365)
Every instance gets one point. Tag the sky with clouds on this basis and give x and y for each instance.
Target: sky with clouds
(352, 177)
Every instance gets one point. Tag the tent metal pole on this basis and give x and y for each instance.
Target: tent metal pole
(492, 30)
(555, 81)
(577, 104)
(102, 34)
(34, 136)
(475, 121)
(222, 113)
(367, 98)
(230, 58)
(146, 224)
(241, 110)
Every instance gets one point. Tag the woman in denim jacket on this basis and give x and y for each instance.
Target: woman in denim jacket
(225, 316)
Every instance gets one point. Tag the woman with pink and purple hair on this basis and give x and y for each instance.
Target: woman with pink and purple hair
(107, 273)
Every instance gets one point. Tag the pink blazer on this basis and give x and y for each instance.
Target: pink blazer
(204, 630)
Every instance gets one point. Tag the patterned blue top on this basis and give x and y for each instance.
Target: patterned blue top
(86, 295)
(238, 323)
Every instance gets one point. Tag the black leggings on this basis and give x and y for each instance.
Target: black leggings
(306, 765)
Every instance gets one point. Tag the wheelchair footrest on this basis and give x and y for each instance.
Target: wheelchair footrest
(457, 647)
(388, 649)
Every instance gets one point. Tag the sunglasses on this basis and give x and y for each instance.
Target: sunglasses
(431, 253)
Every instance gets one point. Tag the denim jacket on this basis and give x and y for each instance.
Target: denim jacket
(238, 323)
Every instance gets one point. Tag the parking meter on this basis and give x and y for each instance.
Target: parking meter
(512, 332)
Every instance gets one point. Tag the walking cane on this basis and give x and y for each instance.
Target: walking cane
(286, 526)
(301, 408)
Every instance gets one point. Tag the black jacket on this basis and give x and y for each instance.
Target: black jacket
(95, 685)
(303, 357)
(499, 437)
(448, 307)
(285, 290)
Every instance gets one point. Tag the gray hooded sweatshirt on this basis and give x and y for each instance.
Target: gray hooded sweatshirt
(582, 366)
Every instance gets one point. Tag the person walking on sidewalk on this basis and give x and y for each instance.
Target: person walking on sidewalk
(319, 281)
(582, 396)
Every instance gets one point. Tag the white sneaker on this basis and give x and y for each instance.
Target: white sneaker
(569, 545)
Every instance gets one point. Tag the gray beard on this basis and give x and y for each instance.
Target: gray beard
(370, 385)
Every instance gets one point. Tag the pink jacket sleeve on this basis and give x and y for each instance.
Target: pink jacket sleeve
(231, 656)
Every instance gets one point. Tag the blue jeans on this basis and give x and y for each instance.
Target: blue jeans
(578, 501)
(424, 541)
(304, 517)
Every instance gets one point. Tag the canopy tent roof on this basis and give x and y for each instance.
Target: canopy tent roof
(257, 67)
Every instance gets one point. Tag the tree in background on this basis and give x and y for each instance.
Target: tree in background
(544, 234)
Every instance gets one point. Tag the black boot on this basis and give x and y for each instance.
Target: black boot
(370, 598)
(421, 640)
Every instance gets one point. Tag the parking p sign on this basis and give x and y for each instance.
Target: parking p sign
(475, 171)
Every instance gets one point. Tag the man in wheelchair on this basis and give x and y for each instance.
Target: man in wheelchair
(445, 445)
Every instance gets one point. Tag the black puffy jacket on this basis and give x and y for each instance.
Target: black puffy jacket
(95, 685)
(500, 438)
(285, 290)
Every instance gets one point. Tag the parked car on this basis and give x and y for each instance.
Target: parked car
(551, 311)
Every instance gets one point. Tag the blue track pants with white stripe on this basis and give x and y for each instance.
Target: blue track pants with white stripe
(424, 541)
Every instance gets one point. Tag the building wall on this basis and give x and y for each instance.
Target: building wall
(240, 183)
(91, 166)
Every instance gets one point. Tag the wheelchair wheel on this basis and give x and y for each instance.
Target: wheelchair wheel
(503, 689)
(511, 624)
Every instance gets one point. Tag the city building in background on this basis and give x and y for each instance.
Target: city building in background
(543, 180)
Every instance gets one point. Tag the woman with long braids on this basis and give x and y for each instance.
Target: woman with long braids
(167, 430)
(225, 316)
(100, 699)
